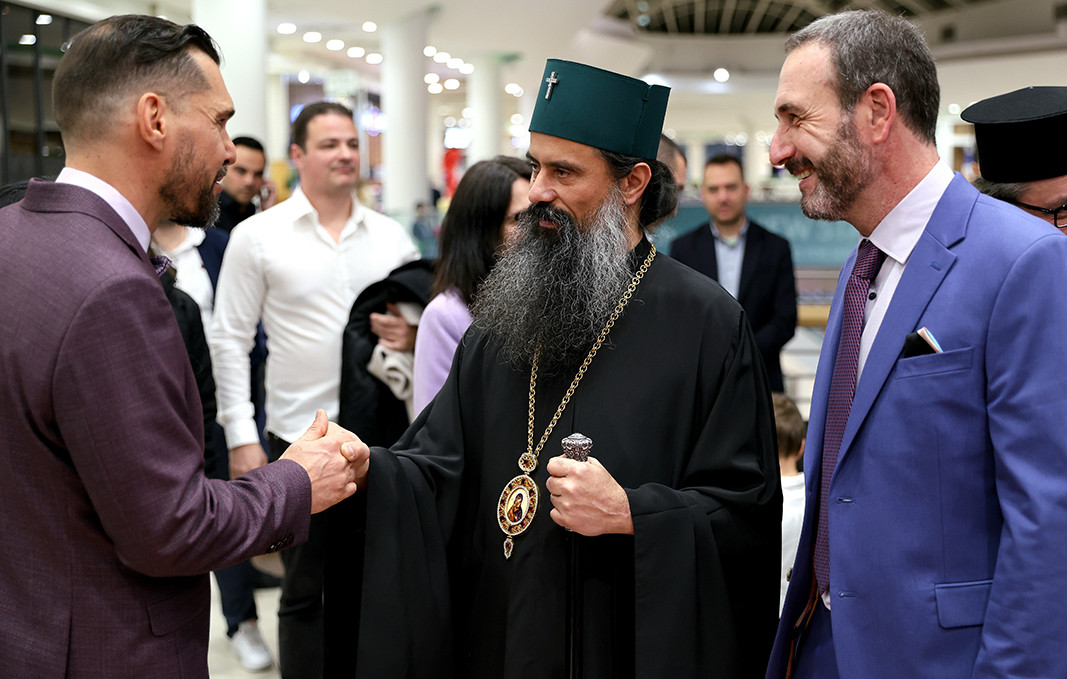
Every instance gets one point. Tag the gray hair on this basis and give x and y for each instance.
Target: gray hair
(1006, 191)
(871, 46)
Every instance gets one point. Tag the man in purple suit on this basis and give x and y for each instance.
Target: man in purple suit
(111, 525)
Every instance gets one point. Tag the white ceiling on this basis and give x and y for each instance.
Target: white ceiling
(983, 47)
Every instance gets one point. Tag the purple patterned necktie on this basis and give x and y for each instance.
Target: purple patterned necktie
(161, 264)
(842, 389)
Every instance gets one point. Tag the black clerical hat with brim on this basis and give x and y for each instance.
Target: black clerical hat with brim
(1022, 135)
(599, 108)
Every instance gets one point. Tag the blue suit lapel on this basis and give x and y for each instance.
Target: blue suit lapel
(927, 267)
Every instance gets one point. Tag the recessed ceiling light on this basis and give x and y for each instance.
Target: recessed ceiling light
(312, 36)
(454, 63)
(431, 78)
(466, 69)
(442, 57)
(451, 84)
(356, 52)
(429, 51)
(335, 45)
(374, 58)
(44, 19)
(435, 88)
(304, 77)
(286, 28)
(369, 26)
(721, 75)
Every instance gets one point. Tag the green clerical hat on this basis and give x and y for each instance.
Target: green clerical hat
(1022, 135)
(599, 108)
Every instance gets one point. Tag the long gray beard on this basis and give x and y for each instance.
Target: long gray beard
(557, 288)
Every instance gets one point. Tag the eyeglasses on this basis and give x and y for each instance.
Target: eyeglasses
(1057, 213)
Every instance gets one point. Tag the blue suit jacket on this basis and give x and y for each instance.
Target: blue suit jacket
(211, 251)
(948, 507)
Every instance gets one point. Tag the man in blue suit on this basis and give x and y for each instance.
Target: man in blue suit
(938, 549)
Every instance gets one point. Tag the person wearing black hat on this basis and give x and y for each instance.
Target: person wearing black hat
(933, 543)
(1021, 138)
(480, 551)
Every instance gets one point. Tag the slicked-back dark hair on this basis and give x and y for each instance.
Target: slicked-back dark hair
(661, 195)
(872, 46)
(300, 125)
(249, 142)
(120, 57)
(470, 231)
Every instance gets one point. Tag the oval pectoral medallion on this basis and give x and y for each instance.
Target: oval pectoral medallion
(516, 508)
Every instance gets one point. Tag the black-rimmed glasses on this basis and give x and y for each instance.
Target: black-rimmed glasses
(1057, 213)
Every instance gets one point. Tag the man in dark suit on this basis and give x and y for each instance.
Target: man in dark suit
(245, 188)
(753, 264)
(110, 523)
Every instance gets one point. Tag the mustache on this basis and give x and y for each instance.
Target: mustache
(539, 212)
(222, 173)
(795, 166)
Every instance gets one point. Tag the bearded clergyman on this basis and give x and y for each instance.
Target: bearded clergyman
(474, 547)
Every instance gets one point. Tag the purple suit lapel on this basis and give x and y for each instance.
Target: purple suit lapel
(51, 197)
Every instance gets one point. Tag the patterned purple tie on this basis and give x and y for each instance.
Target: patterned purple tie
(842, 389)
(161, 264)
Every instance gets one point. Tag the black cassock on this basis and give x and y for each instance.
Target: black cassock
(677, 406)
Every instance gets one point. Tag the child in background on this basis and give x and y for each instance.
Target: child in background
(791, 429)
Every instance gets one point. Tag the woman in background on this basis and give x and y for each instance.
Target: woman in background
(478, 222)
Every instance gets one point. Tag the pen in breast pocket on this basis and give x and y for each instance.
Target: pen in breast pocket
(930, 339)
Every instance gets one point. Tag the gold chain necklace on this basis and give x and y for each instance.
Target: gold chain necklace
(518, 501)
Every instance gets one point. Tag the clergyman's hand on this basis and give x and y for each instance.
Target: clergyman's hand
(586, 498)
(334, 458)
(244, 459)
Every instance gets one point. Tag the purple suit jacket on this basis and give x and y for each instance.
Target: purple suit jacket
(110, 523)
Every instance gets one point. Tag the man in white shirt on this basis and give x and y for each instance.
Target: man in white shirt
(299, 266)
(932, 543)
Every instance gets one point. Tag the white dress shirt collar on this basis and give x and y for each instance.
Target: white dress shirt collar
(899, 231)
(897, 235)
(302, 211)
